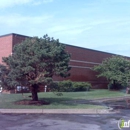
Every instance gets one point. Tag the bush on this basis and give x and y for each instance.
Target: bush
(117, 86)
(69, 86)
(65, 86)
(53, 86)
(81, 86)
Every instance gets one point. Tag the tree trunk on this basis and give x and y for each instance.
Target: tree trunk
(34, 92)
(115, 85)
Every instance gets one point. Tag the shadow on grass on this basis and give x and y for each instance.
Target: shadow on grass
(59, 101)
(46, 101)
(70, 102)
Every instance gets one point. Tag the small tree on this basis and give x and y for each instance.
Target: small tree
(116, 69)
(34, 62)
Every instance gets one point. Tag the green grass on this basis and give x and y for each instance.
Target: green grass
(67, 101)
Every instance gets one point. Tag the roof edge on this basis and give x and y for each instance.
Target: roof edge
(13, 34)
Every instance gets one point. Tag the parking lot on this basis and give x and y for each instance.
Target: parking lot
(62, 121)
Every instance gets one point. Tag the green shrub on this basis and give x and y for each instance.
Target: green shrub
(53, 86)
(116, 86)
(81, 86)
(65, 86)
(69, 86)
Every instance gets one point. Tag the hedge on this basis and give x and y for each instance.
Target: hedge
(69, 86)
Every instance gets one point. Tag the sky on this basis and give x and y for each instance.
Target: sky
(102, 25)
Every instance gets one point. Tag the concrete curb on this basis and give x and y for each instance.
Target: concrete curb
(56, 111)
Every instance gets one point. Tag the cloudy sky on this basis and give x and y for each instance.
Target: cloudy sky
(96, 24)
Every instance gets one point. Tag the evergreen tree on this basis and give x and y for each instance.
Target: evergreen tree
(34, 62)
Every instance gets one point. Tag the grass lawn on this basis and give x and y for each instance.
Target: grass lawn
(68, 100)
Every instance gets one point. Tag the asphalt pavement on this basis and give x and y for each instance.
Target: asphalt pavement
(63, 121)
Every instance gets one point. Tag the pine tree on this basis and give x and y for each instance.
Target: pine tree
(34, 62)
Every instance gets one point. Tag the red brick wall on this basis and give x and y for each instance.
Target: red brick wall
(18, 39)
(5, 46)
(7, 42)
(82, 60)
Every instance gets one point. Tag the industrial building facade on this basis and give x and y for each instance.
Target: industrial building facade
(82, 60)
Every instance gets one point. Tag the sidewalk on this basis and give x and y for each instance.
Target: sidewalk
(58, 111)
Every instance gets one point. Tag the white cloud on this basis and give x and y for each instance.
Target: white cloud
(16, 20)
(41, 2)
(118, 1)
(47, 1)
(9, 3)
(68, 29)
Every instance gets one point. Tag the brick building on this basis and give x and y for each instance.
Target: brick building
(82, 60)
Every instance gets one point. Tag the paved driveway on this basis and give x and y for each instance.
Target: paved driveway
(62, 121)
